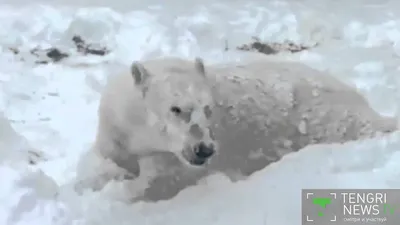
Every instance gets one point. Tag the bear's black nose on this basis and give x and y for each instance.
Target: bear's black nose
(204, 151)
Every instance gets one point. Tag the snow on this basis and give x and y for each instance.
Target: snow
(51, 108)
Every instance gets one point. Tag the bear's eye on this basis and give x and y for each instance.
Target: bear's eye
(207, 111)
(176, 110)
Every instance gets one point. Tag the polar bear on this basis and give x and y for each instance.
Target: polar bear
(159, 106)
(233, 118)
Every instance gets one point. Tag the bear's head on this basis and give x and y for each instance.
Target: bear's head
(178, 97)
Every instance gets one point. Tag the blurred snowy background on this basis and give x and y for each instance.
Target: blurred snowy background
(48, 111)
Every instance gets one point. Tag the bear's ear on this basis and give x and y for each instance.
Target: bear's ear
(199, 65)
(139, 73)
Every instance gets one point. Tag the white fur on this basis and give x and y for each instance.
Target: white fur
(262, 110)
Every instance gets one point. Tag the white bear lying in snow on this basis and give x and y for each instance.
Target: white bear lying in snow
(235, 119)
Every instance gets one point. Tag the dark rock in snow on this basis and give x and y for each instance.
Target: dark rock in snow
(272, 48)
(86, 49)
(53, 54)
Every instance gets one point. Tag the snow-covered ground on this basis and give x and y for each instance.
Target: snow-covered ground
(52, 108)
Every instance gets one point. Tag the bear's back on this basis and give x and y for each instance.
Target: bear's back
(288, 90)
(272, 108)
